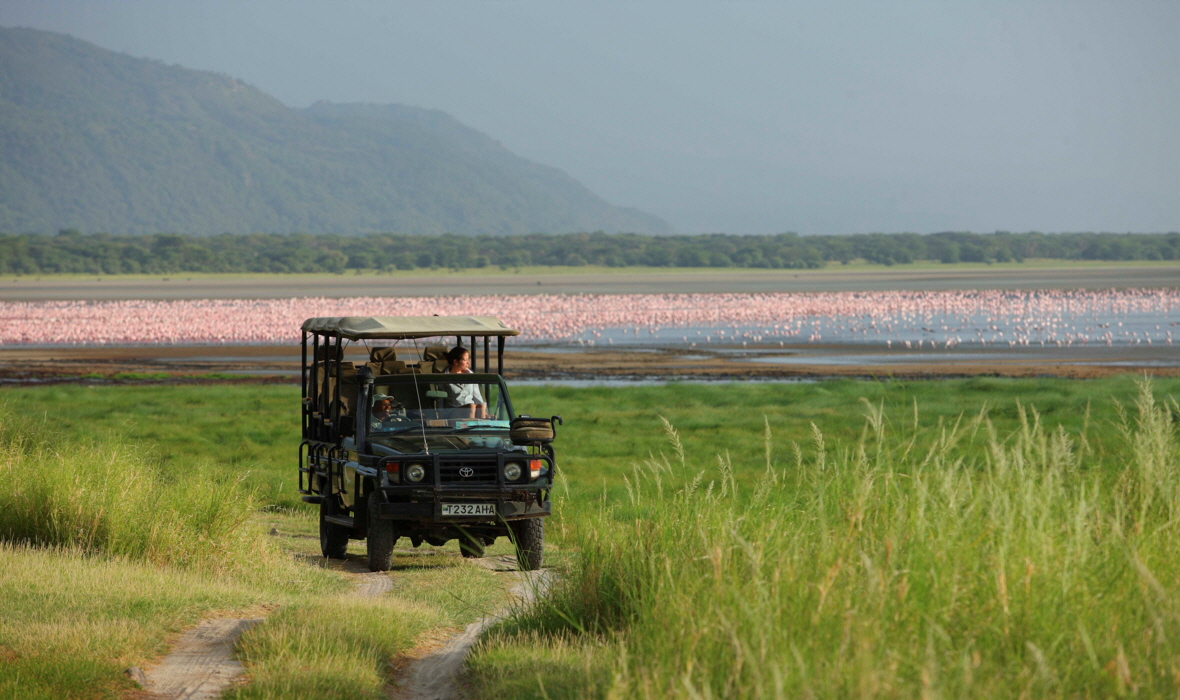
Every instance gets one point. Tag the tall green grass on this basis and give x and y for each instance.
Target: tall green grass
(958, 562)
(109, 497)
(245, 430)
(252, 431)
(107, 550)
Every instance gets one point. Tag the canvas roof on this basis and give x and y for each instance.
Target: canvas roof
(399, 327)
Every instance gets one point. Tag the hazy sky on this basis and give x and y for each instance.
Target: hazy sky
(743, 117)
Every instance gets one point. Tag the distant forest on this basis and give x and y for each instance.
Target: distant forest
(101, 253)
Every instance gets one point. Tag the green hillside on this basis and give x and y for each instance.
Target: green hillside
(101, 141)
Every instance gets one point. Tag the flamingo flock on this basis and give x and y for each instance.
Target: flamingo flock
(895, 319)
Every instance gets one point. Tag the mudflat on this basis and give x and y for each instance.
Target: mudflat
(1028, 275)
(21, 365)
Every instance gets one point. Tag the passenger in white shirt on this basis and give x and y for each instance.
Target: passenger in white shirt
(464, 396)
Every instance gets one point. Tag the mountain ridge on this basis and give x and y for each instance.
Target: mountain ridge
(95, 140)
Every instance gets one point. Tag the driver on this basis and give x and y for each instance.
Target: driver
(382, 410)
(464, 397)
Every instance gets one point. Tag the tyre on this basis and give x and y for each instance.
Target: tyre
(333, 537)
(470, 546)
(381, 539)
(530, 542)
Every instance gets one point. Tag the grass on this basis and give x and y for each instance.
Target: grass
(71, 622)
(956, 560)
(330, 648)
(607, 430)
(251, 431)
(110, 498)
(691, 592)
(107, 552)
(237, 431)
(343, 646)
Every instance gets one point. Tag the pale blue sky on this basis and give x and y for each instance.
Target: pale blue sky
(744, 117)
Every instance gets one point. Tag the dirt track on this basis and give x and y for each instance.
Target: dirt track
(1088, 276)
(201, 664)
(434, 674)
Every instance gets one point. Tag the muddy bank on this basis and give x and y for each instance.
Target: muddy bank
(261, 364)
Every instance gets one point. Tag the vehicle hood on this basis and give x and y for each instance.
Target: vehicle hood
(407, 444)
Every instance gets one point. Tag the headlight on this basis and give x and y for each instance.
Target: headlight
(511, 471)
(415, 473)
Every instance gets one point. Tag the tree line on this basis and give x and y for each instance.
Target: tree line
(72, 252)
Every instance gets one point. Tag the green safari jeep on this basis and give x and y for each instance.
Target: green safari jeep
(399, 447)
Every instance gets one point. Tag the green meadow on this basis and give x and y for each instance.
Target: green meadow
(958, 538)
(250, 432)
(971, 546)
(110, 548)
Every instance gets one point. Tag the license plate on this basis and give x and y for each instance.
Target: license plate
(469, 509)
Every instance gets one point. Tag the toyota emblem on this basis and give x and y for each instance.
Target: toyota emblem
(466, 472)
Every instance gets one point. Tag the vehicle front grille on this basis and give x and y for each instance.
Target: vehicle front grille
(453, 472)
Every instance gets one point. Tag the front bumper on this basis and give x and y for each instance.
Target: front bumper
(432, 511)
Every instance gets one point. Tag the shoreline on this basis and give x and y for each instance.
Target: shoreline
(618, 365)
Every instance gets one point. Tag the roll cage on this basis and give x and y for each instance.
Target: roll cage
(331, 388)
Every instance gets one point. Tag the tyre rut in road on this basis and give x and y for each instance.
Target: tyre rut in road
(435, 675)
(201, 665)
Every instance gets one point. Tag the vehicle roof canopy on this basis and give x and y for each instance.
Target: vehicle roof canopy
(405, 327)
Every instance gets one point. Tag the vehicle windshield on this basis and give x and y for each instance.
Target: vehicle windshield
(451, 403)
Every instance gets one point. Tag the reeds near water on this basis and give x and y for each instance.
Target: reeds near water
(109, 497)
(970, 564)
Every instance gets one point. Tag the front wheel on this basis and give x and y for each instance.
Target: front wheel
(333, 537)
(530, 542)
(381, 539)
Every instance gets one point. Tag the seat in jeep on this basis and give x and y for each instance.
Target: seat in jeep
(384, 361)
(434, 359)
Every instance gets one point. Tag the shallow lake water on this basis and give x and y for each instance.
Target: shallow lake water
(934, 330)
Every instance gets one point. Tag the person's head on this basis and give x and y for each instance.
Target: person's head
(382, 406)
(458, 357)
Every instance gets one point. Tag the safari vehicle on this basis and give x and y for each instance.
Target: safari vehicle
(398, 448)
